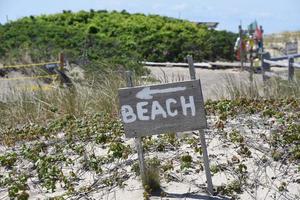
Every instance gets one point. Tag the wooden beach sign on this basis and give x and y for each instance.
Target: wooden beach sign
(164, 108)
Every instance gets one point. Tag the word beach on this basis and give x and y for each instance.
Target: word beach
(157, 110)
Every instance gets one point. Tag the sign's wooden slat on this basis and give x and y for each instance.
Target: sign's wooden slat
(164, 108)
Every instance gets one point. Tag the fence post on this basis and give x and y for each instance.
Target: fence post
(61, 61)
(262, 38)
(191, 67)
(241, 47)
(251, 66)
(202, 135)
(138, 140)
(263, 67)
(291, 69)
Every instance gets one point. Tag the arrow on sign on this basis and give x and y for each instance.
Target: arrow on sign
(147, 93)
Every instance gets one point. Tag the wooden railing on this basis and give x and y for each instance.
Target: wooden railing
(283, 61)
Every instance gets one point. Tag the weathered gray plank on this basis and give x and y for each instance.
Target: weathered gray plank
(291, 69)
(285, 57)
(276, 63)
(138, 140)
(291, 48)
(297, 65)
(202, 136)
(191, 67)
(171, 64)
(168, 122)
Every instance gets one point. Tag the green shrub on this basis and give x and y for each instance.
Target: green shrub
(152, 182)
(236, 137)
(113, 37)
(186, 161)
(8, 159)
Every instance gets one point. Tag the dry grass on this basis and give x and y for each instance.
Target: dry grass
(99, 94)
(96, 95)
(274, 88)
(282, 37)
(278, 88)
(236, 88)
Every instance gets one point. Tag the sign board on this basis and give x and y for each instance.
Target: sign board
(156, 109)
(291, 48)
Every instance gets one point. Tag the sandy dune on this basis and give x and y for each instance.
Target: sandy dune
(212, 81)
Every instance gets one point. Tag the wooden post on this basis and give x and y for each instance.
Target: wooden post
(138, 140)
(251, 72)
(263, 72)
(202, 136)
(241, 47)
(129, 81)
(61, 61)
(251, 66)
(191, 67)
(291, 69)
(265, 66)
(262, 38)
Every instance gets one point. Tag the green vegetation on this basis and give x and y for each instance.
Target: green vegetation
(102, 39)
(153, 179)
(236, 137)
(232, 189)
(8, 159)
(65, 134)
(67, 141)
(284, 140)
(186, 161)
(47, 162)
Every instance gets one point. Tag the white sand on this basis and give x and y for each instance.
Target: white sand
(212, 81)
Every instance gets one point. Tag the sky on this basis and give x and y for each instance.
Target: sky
(274, 15)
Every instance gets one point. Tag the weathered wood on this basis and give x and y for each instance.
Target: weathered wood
(297, 65)
(138, 140)
(263, 67)
(142, 164)
(173, 98)
(172, 64)
(61, 61)
(262, 38)
(291, 48)
(251, 67)
(276, 63)
(129, 77)
(219, 64)
(241, 47)
(191, 67)
(202, 136)
(285, 57)
(291, 69)
(208, 65)
(210, 187)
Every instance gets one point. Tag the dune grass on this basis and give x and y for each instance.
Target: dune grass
(83, 119)
(99, 94)
(273, 88)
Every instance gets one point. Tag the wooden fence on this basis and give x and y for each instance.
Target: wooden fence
(283, 61)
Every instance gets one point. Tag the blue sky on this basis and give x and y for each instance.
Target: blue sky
(274, 15)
